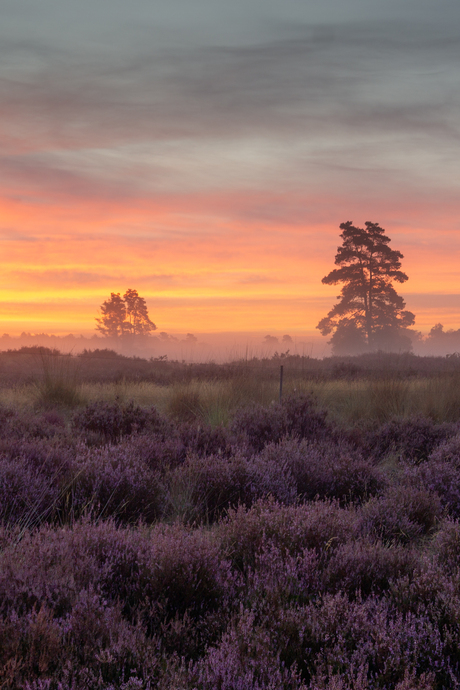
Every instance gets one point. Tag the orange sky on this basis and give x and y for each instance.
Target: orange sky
(211, 168)
(203, 265)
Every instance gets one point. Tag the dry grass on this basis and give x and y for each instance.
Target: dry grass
(348, 402)
(379, 400)
(58, 384)
(17, 397)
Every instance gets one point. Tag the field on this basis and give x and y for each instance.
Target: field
(166, 525)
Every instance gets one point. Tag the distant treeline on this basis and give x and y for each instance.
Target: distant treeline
(140, 345)
(26, 365)
(438, 342)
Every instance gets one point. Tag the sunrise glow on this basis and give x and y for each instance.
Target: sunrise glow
(211, 171)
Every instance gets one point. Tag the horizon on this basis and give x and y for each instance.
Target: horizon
(219, 347)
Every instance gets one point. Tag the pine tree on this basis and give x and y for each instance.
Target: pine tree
(368, 267)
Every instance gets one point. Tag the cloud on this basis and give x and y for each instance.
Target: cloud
(256, 279)
(354, 102)
(75, 278)
(370, 75)
(12, 235)
(64, 278)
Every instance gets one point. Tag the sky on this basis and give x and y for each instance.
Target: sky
(205, 152)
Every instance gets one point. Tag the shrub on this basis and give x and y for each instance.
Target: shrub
(446, 544)
(412, 439)
(94, 647)
(441, 478)
(333, 643)
(259, 426)
(160, 452)
(271, 475)
(33, 477)
(105, 353)
(111, 421)
(165, 572)
(47, 482)
(26, 425)
(247, 658)
(367, 567)
(320, 525)
(448, 451)
(303, 419)
(27, 496)
(362, 644)
(155, 577)
(295, 416)
(113, 482)
(204, 487)
(317, 572)
(402, 514)
(54, 457)
(322, 469)
(431, 592)
(279, 579)
(203, 439)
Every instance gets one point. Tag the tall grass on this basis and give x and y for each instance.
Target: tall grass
(440, 398)
(214, 402)
(59, 383)
(347, 401)
(378, 400)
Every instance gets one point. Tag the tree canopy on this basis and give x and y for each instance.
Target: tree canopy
(124, 316)
(369, 314)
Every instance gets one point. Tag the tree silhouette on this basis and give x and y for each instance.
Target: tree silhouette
(348, 338)
(137, 313)
(113, 316)
(369, 310)
(122, 316)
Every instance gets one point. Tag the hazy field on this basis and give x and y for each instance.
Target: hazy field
(167, 525)
(353, 390)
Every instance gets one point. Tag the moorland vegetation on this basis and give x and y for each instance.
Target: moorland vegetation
(166, 525)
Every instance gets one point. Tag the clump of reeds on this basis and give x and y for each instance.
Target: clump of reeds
(441, 398)
(58, 384)
(185, 404)
(387, 398)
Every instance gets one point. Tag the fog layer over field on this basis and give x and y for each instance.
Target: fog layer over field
(220, 347)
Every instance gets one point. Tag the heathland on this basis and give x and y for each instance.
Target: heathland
(172, 525)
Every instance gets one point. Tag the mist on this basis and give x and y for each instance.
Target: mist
(227, 347)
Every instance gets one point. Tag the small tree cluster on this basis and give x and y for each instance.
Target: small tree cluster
(127, 315)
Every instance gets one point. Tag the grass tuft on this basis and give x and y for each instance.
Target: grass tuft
(185, 404)
(59, 383)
